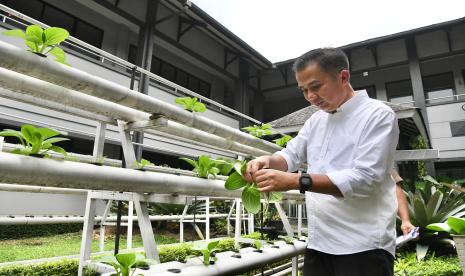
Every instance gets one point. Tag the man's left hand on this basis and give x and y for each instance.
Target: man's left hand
(269, 180)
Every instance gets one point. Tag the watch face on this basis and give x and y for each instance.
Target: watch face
(305, 181)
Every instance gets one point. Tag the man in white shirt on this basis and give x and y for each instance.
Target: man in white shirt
(349, 147)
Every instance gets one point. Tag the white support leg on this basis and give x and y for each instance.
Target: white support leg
(128, 149)
(207, 219)
(181, 223)
(86, 242)
(237, 228)
(228, 219)
(299, 219)
(295, 266)
(102, 226)
(251, 223)
(1, 143)
(146, 230)
(99, 141)
(130, 224)
(285, 220)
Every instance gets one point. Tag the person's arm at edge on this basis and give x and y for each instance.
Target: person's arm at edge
(402, 211)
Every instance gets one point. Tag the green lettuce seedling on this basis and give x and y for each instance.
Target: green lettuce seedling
(42, 41)
(250, 194)
(454, 226)
(205, 167)
(191, 104)
(126, 263)
(36, 140)
(259, 131)
(143, 162)
(282, 142)
(207, 250)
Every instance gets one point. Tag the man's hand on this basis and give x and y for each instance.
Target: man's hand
(269, 180)
(262, 162)
(406, 227)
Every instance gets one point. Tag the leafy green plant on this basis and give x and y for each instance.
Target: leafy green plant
(205, 167)
(250, 194)
(143, 162)
(224, 165)
(259, 131)
(430, 204)
(35, 140)
(287, 239)
(126, 263)
(207, 251)
(191, 104)
(454, 225)
(282, 142)
(259, 244)
(42, 41)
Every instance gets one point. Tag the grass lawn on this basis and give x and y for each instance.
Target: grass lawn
(61, 245)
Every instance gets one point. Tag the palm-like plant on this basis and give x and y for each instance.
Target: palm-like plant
(433, 204)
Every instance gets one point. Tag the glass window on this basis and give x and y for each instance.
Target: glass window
(155, 66)
(167, 71)
(182, 78)
(56, 18)
(400, 92)
(439, 88)
(204, 89)
(193, 84)
(88, 33)
(31, 8)
(457, 128)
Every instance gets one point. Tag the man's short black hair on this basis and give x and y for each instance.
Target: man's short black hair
(331, 60)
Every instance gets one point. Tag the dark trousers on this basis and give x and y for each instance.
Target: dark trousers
(377, 262)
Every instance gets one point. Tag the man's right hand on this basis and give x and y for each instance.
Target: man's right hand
(262, 162)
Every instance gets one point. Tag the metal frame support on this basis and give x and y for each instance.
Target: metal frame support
(181, 223)
(229, 218)
(102, 226)
(126, 143)
(146, 230)
(251, 223)
(295, 266)
(91, 206)
(207, 219)
(299, 219)
(99, 141)
(283, 216)
(237, 227)
(130, 224)
(1, 142)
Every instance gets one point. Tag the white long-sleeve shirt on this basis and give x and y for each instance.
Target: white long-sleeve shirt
(354, 147)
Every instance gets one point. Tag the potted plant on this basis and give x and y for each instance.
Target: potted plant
(456, 227)
(36, 142)
(42, 42)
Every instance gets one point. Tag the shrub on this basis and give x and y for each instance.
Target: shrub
(59, 268)
(406, 264)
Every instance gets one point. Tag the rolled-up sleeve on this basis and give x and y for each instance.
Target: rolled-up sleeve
(373, 155)
(295, 152)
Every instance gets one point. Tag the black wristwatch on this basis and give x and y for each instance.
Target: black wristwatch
(305, 183)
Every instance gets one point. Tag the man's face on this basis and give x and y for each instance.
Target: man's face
(321, 88)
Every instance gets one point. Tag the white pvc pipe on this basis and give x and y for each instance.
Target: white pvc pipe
(25, 170)
(38, 88)
(17, 59)
(226, 265)
(55, 220)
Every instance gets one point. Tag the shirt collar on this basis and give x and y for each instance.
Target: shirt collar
(353, 102)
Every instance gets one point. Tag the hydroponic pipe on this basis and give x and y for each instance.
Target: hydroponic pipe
(25, 170)
(19, 60)
(227, 265)
(21, 220)
(23, 84)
